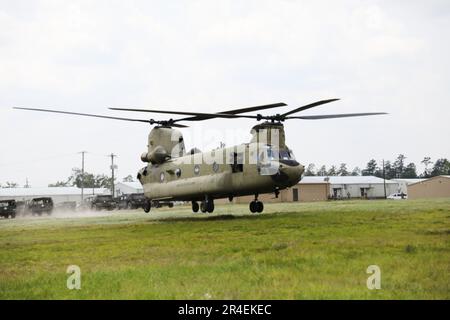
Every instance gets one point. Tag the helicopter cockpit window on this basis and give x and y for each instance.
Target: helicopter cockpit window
(274, 154)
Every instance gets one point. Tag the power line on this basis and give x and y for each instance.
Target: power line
(82, 174)
(112, 155)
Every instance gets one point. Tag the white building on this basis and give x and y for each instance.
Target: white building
(404, 183)
(58, 194)
(128, 187)
(354, 186)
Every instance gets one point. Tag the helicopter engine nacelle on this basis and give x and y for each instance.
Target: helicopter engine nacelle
(156, 156)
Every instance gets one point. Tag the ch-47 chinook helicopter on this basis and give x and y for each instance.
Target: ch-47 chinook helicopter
(264, 165)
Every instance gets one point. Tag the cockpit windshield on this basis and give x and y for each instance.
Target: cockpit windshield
(275, 154)
(269, 157)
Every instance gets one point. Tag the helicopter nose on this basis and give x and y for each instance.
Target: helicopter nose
(292, 172)
(288, 174)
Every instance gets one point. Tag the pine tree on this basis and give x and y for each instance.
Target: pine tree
(322, 171)
(399, 165)
(356, 171)
(441, 167)
(410, 171)
(332, 171)
(426, 162)
(343, 170)
(371, 168)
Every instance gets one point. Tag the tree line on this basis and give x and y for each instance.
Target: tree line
(88, 180)
(77, 179)
(398, 168)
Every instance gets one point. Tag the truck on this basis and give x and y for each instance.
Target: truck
(39, 206)
(100, 202)
(131, 201)
(8, 209)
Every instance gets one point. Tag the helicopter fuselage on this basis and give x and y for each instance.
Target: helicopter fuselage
(246, 169)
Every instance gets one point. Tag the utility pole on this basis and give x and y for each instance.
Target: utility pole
(112, 155)
(384, 180)
(82, 174)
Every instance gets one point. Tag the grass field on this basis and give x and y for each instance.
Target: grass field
(291, 251)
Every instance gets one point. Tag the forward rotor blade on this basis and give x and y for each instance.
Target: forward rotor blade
(309, 106)
(333, 116)
(83, 114)
(242, 110)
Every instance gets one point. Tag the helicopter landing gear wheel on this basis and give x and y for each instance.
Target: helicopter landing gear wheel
(256, 206)
(195, 206)
(203, 206)
(210, 206)
(207, 205)
(253, 206)
(147, 206)
(259, 206)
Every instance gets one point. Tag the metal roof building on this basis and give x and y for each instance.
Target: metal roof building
(339, 187)
(321, 188)
(436, 187)
(128, 187)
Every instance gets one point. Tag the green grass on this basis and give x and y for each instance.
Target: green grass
(291, 251)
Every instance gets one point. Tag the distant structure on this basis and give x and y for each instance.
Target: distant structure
(58, 194)
(404, 183)
(128, 187)
(321, 188)
(365, 187)
(436, 187)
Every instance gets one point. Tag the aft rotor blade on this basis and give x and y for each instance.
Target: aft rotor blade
(309, 106)
(242, 110)
(178, 125)
(186, 113)
(256, 108)
(198, 116)
(83, 114)
(333, 116)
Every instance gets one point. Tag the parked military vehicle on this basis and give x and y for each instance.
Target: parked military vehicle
(131, 201)
(8, 209)
(39, 206)
(100, 202)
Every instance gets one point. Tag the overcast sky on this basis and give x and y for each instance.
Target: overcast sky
(208, 56)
